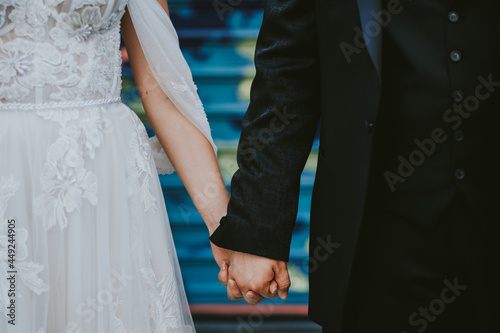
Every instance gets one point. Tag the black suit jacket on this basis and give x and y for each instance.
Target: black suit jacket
(303, 76)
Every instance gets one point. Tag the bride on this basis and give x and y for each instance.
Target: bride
(85, 244)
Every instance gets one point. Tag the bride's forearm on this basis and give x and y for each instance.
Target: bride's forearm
(189, 151)
(191, 155)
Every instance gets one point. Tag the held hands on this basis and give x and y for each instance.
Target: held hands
(252, 277)
(220, 255)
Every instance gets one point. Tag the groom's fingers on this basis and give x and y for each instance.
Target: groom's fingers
(282, 279)
(223, 275)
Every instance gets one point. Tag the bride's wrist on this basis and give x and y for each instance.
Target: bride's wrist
(213, 217)
(214, 223)
(212, 227)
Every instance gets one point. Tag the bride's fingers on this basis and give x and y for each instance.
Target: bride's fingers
(269, 290)
(253, 298)
(273, 288)
(233, 292)
(223, 275)
(230, 295)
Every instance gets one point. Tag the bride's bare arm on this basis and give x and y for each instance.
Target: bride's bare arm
(188, 149)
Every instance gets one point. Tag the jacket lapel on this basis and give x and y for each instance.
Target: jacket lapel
(374, 41)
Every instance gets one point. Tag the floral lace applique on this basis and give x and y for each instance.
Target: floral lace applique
(163, 164)
(164, 308)
(25, 65)
(3, 13)
(27, 270)
(8, 187)
(106, 78)
(77, 4)
(74, 28)
(88, 132)
(139, 170)
(30, 17)
(120, 326)
(73, 53)
(65, 183)
(63, 117)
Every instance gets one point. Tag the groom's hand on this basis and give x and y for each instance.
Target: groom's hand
(254, 278)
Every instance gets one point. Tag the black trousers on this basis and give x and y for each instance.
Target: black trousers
(408, 278)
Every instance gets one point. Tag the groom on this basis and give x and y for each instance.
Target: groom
(406, 92)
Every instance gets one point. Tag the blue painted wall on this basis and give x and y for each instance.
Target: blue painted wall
(218, 41)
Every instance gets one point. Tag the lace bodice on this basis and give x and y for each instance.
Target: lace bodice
(65, 54)
(60, 51)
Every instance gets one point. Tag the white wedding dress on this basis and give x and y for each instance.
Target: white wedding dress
(85, 244)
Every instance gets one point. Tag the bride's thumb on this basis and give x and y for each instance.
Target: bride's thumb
(273, 287)
(223, 275)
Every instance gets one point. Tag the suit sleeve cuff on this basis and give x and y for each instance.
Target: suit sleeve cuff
(235, 236)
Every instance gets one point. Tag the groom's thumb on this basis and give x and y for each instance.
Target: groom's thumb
(283, 279)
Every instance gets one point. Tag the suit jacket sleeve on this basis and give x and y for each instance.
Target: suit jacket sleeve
(277, 133)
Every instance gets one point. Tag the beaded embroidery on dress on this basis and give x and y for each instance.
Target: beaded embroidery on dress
(79, 194)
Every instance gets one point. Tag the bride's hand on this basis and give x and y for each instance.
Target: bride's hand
(221, 258)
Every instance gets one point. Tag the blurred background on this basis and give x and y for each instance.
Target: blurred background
(218, 40)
